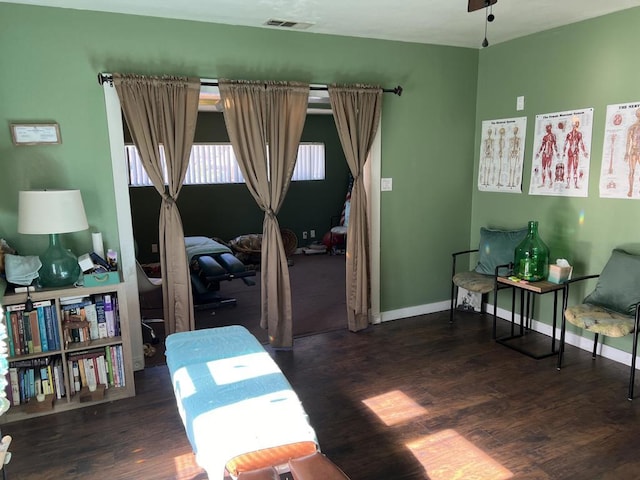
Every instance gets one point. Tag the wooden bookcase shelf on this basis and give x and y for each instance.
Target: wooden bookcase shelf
(117, 344)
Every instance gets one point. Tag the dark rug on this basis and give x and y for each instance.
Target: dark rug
(317, 298)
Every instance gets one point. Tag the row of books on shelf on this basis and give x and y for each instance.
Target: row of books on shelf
(29, 377)
(90, 318)
(97, 367)
(36, 330)
(32, 331)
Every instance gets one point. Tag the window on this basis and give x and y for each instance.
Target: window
(212, 163)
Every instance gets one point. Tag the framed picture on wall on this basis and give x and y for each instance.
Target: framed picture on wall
(35, 133)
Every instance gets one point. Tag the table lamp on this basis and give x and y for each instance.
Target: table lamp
(53, 212)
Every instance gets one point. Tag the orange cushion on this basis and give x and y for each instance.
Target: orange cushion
(269, 457)
(315, 467)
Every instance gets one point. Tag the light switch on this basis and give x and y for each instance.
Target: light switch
(386, 184)
(520, 103)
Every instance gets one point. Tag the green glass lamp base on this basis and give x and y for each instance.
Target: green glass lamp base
(59, 266)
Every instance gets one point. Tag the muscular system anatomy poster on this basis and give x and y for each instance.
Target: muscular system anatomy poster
(501, 155)
(620, 172)
(561, 153)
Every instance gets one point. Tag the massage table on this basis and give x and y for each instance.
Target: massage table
(211, 262)
(239, 411)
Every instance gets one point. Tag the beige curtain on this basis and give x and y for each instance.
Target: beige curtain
(163, 110)
(356, 110)
(265, 122)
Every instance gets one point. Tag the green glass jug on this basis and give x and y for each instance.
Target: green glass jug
(531, 261)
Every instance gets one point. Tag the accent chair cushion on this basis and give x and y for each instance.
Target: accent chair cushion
(597, 319)
(618, 286)
(474, 281)
(497, 247)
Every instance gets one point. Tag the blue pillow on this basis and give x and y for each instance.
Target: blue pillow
(497, 247)
(618, 286)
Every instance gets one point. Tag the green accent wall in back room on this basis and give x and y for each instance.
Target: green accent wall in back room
(587, 64)
(226, 211)
(49, 59)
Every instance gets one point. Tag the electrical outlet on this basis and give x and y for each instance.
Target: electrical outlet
(154, 248)
(312, 234)
(304, 235)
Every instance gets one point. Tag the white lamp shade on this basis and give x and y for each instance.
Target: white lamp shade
(51, 211)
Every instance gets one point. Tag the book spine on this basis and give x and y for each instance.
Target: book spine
(103, 377)
(15, 385)
(17, 336)
(109, 314)
(34, 329)
(120, 364)
(42, 326)
(7, 321)
(90, 371)
(76, 375)
(107, 355)
(58, 376)
(49, 328)
(27, 343)
(114, 362)
(101, 316)
(92, 317)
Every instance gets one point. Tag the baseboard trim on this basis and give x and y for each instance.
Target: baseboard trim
(571, 338)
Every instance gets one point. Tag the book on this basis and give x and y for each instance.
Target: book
(34, 330)
(42, 328)
(109, 314)
(15, 385)
(90, 371)
(120, 364)
(7, 322)
(103, 377)
(27, 342)
(91, 315)
(58, 376)
(101, 316)
(76, 376)
(51, 322)
(109, 364)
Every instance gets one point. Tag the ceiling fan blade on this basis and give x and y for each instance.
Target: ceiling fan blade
(478, 4)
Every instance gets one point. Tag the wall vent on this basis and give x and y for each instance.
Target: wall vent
(287, 24)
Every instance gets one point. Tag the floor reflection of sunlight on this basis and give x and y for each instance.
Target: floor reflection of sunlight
(446, 455)
(394, 407)
(186, 467)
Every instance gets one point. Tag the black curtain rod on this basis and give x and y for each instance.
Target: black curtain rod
(106, 77)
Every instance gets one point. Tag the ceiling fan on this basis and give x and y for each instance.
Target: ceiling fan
(478, 4)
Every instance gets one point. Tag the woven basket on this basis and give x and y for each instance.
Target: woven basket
(251, 244)
(290, 241)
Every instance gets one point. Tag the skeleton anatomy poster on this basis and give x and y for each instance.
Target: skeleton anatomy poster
(561, 153)
(501, 155)
(621, 152)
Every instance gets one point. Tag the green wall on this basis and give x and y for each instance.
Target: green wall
(226, 211)
(588, 64)
(49, 59)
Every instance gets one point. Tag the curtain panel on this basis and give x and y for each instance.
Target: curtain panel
(356, 111)
(163, 110)
(265, 121)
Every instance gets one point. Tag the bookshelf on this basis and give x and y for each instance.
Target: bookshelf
(75, 341)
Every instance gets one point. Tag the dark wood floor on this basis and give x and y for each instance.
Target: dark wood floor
(410, 399)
